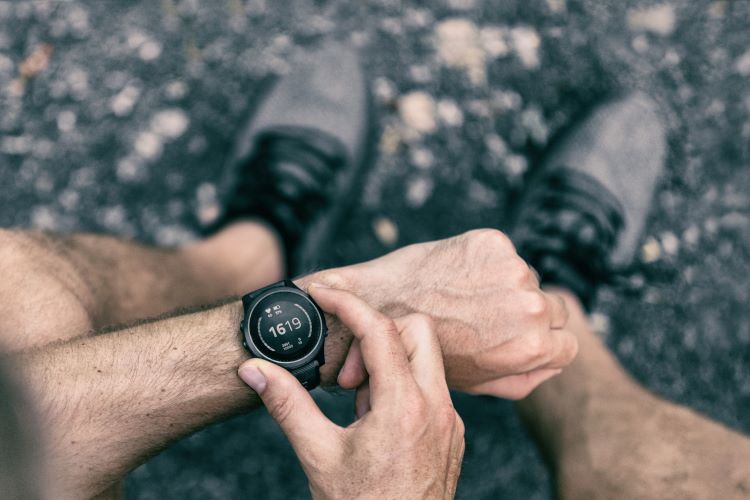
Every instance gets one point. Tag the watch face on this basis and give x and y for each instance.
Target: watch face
(285, 326)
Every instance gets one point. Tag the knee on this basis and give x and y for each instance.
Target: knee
(41, 298)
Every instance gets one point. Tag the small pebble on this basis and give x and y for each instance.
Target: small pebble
(417, 110)
(600, 323)
(670, 243)
(516, 165)
(131, 169)
(384, 90)
(170, 123)
(150, 50)
(742, 65)
(418, 191)
(422, 158)
(526, 43)
(556, 6)
(494, 41)
(386, 231)
(533, 122)
(66, 121)
(651, 250)
(122, 104)
(148, 145)
(458, 45)
(657, 19)
(450, 113)
(691, 235)
(389, 141)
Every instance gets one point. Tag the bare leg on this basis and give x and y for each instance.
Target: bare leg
(59, 287)
(608, 437)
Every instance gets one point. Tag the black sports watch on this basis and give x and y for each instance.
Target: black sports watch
(283, 324)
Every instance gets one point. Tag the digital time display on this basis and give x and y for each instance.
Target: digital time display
(285, 326)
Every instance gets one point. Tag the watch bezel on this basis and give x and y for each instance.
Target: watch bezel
(255, 350)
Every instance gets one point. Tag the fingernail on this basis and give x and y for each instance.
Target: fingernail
(252, 376)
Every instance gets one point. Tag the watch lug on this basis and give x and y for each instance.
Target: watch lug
(321, 358)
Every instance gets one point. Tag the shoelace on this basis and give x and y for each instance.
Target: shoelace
(569, 234)
(292, 176)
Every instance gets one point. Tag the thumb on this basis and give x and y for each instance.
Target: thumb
(289, 404)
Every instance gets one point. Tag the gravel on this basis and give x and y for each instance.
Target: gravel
(116, 117)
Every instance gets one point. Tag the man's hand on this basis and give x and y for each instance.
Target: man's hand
(500, 333)
(408, 441)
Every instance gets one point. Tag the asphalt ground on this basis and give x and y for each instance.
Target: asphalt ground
(116, 117)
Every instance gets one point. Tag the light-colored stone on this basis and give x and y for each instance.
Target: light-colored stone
(458, 45)
(44, 218)
(651, 250)
(66, 121)
(131, 169)
(422, 158)
(384, 90)
(170, 123)
(148, 145)
(557, 6)
(657, 19)
(516, 165)
(386, 231)
(742, 65)
(670, 243)
(526, 43)
(497, 147)
(536, 127)
(495, 41)
(150, 50)
(389, 141)
(450, 113)
(600, 323)
(692, 235)
(640, 44)
(418, 191)
(420, 73)
(417, 111)
(122, 104)
(176, 90)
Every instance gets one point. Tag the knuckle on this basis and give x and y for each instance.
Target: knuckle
(492, 238)
(422, 321)
(519, 272)
(387, 326)
(483, 242)
(536, 348)
(446, 418)
(536, 306)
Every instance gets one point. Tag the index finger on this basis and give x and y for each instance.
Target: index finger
(383, 352)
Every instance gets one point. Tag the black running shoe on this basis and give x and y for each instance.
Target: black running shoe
(297, 159)
(582, 216)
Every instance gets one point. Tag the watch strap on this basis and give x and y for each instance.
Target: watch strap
(308, 375)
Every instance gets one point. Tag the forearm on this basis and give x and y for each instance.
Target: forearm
(110, 401)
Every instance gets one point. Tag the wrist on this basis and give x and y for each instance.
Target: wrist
(339, 337)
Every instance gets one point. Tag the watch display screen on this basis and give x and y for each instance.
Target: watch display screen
(285, 326)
